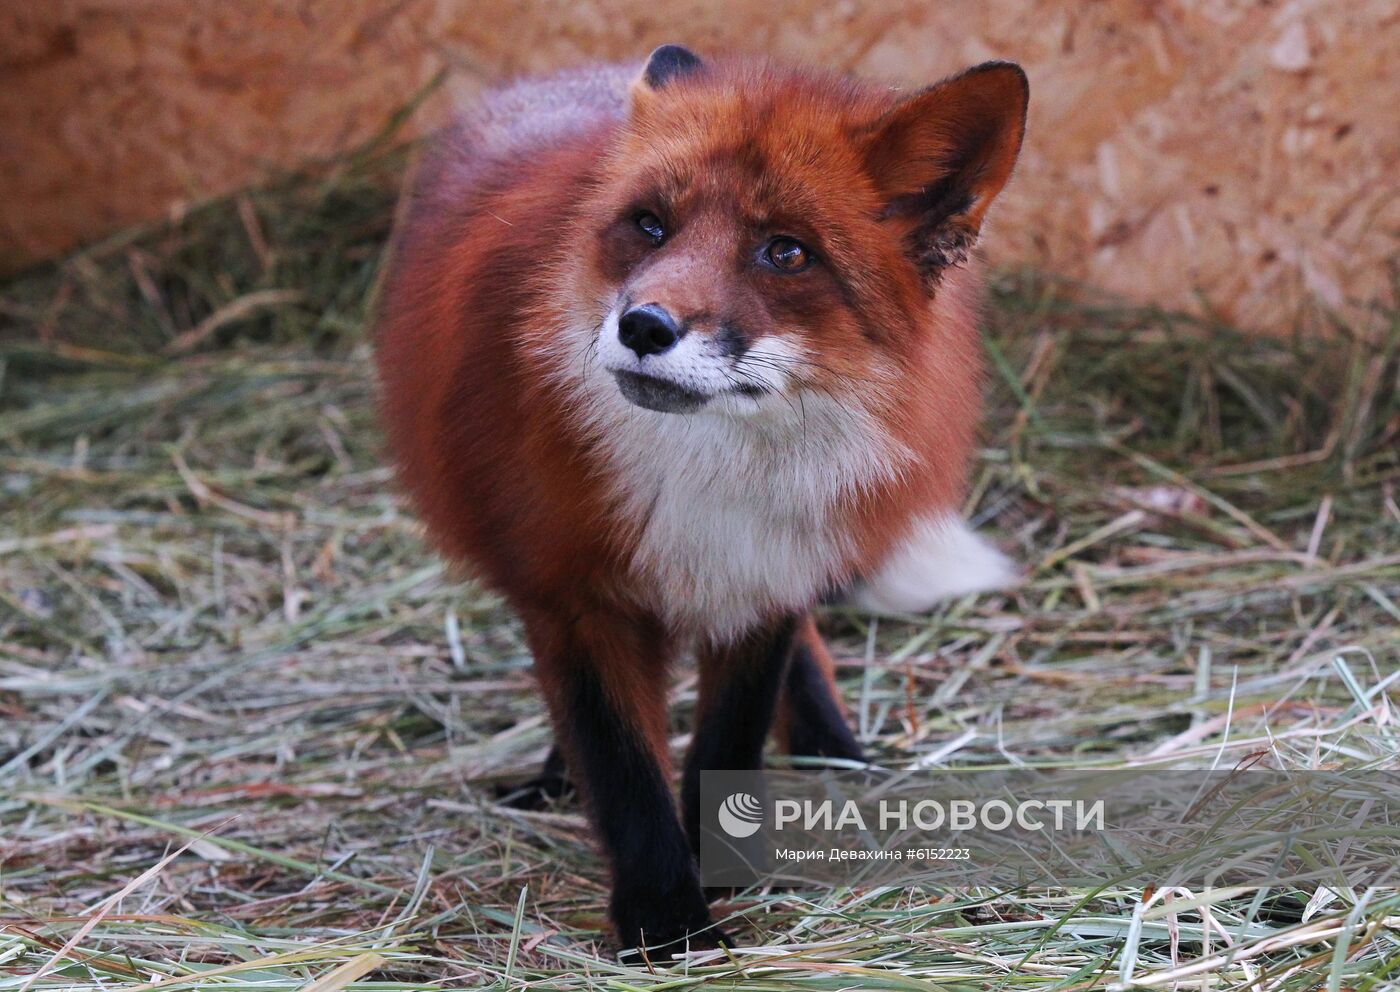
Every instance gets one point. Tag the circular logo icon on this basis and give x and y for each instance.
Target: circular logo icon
(741, 815)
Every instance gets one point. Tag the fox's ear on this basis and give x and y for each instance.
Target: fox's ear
(941, 156)
(665, 64)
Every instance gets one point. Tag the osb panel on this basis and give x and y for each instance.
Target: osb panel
(1240, 158)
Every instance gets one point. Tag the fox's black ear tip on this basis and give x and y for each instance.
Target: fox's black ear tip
(1008, 70)
(667, 63)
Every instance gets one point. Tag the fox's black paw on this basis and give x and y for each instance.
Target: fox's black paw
(825, 742)
(544, 792)
(664, 923)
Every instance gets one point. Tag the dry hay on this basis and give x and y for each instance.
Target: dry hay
(248, 730)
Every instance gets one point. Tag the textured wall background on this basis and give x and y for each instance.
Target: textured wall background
(1241, 158)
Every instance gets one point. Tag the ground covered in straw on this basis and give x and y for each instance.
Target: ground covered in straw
(249, 729)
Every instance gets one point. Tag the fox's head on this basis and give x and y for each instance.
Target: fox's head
(755, 232)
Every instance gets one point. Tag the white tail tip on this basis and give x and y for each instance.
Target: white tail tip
(940, 559)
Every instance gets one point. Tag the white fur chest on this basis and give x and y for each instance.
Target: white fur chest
(733, 511)
(735, 517)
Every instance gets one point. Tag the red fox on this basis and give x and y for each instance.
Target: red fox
(669, 356)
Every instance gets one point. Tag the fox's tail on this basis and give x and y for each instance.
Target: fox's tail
(941, 559)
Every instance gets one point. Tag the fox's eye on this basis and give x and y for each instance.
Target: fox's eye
(787, 254)
(650, 225)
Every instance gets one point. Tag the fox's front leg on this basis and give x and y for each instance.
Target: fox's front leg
(740, 684)
(811, 720)
(605, 679)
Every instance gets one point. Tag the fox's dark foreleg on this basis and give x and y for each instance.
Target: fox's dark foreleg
(604, 678)
(811, 720)
(739, 688)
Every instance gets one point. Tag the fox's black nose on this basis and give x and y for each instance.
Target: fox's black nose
(648, 330)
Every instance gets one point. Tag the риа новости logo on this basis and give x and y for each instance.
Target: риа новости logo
(741, 815)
